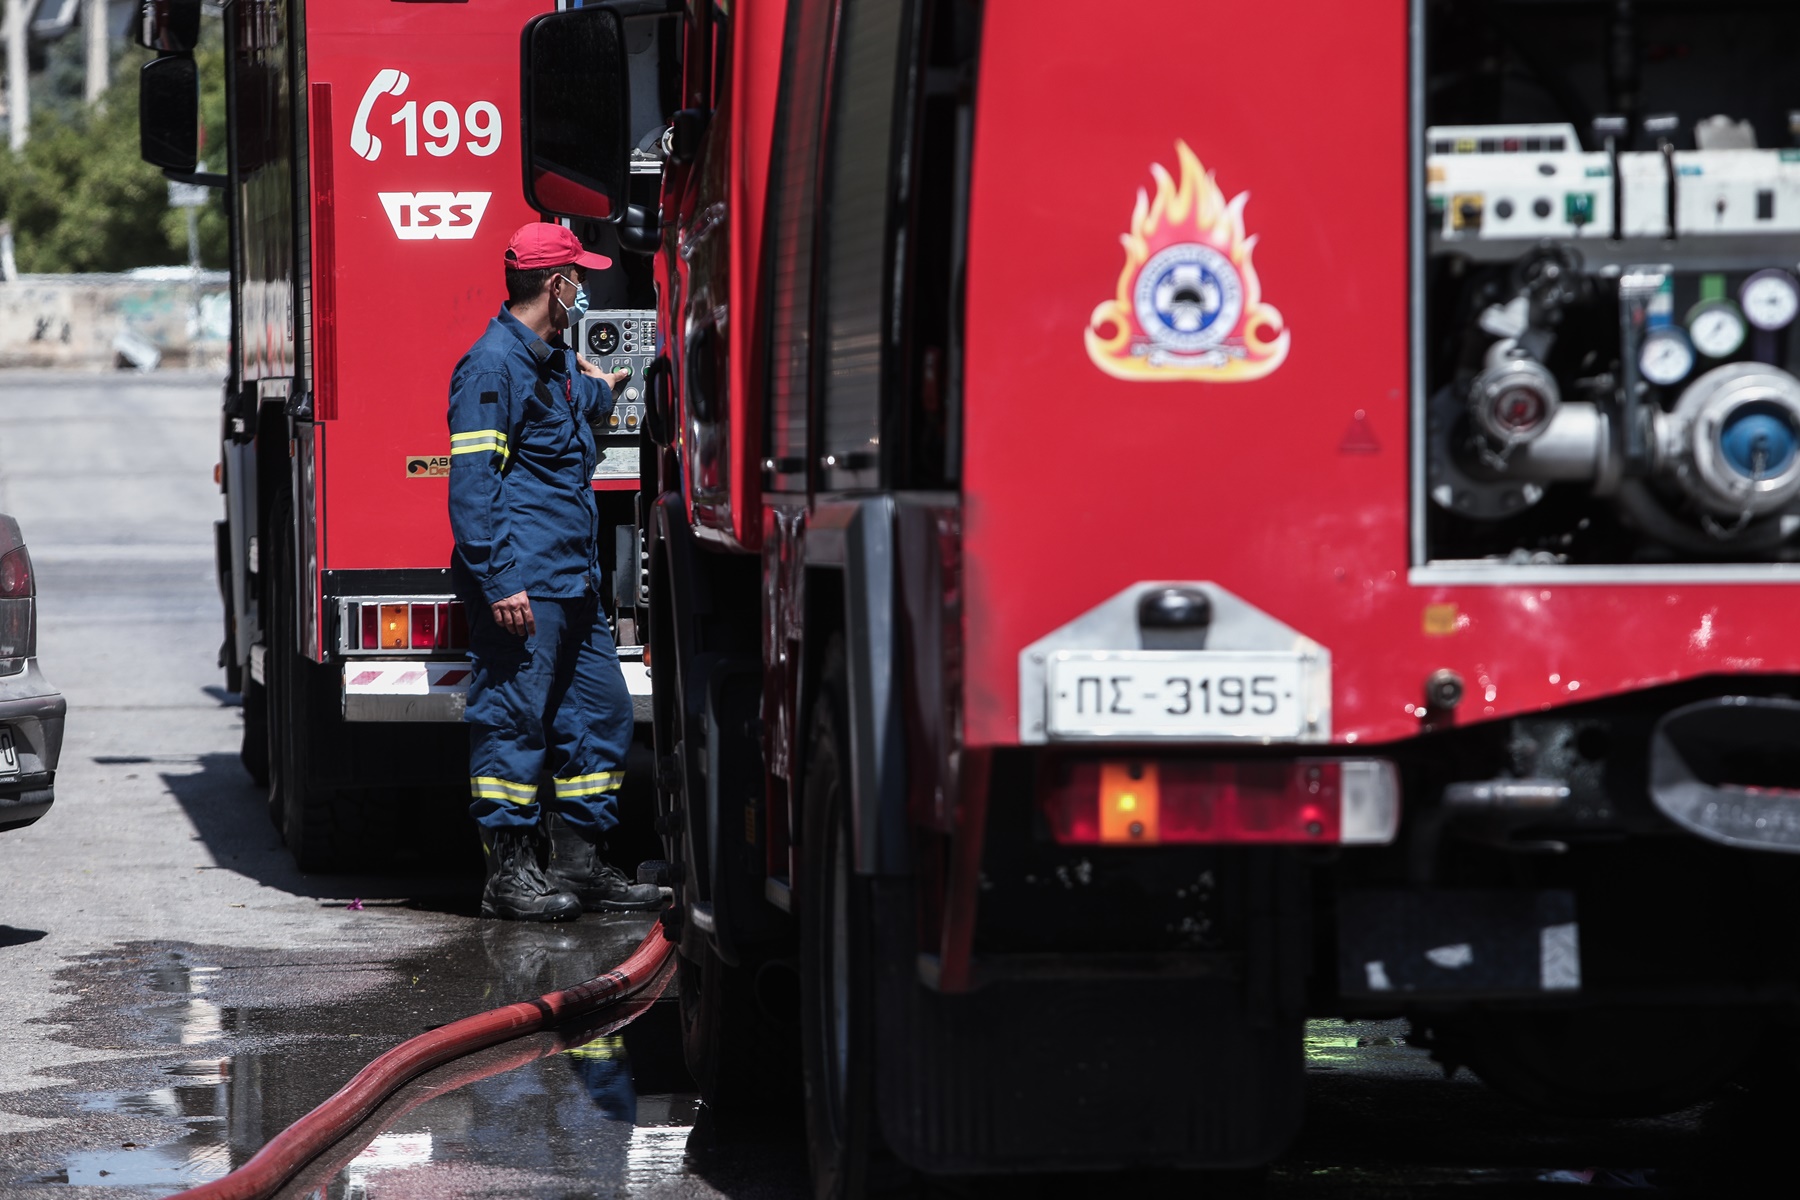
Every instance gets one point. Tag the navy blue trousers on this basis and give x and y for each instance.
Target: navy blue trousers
(553, 702)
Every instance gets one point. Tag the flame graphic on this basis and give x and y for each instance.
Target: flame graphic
(1193, 211)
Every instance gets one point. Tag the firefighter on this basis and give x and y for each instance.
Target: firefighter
(546, 692)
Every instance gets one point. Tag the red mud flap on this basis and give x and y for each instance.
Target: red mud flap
(1397, 946)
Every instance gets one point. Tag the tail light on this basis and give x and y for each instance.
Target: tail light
(403, 625)
(1147, 802)
(395, 634)
(18, 628)
(15, 575)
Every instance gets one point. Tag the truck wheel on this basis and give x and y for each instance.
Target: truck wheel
(299, 715)
(836, 975)
(253, 752)
(740, 1059)
(1603, 1062)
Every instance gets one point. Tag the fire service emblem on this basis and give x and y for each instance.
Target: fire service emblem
(1189, 304)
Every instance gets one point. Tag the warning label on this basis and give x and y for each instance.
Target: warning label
(427, 466)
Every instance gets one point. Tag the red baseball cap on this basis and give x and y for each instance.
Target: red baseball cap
(543, 244)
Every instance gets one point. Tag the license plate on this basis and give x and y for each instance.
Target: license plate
(9, 755)
(1220, 694)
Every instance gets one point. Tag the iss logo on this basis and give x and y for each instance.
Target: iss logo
(427, 466)
(1189, 304)
(422, 216)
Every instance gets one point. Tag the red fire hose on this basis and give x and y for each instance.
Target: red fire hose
(318, 1174)
(313, 1134)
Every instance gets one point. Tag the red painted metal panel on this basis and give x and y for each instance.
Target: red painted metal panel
(419, 217)
(324, 248)
(756, 35)
(1289, 488)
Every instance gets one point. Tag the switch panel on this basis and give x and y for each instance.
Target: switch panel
(620, 340)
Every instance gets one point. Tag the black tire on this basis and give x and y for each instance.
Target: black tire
(301, 721)
(253, 752)
(1598, 1062)
(836, 972)
(740, 1057)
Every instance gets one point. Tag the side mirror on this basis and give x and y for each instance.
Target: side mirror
(169, 26)
(169, 113)
(576, 116)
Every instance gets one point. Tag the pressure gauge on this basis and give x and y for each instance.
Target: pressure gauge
(602, 337)
(1771, 299)
(1717, 328)
(1666, 357)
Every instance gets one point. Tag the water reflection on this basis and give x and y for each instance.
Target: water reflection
(570, 1109)
(385, 1152)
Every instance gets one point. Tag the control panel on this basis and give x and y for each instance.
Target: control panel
(620, 339)
(1522, 182)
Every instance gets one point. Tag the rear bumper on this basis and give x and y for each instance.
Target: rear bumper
(415, 690)
(33, 711)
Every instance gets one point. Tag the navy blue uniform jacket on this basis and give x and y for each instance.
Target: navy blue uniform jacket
(521, 457)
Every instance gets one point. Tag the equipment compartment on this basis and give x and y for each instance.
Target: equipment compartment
(1608, 224)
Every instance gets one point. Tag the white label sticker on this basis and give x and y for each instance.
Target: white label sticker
(1560, 958)
(421, 216)
(1452, 958)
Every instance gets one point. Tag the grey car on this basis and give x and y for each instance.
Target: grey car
(31, 711)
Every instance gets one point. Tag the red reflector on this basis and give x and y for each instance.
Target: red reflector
(1196, 801)
(15, 575)
(424, 626)
(443, 627)
(371, 627)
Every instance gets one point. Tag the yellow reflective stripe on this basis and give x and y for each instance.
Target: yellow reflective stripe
(487, 787)
(482, 792)
(600, 1048)
(479, 441)
(590, 785)
(529, 789)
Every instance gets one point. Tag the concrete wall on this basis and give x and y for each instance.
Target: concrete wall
(143, 319)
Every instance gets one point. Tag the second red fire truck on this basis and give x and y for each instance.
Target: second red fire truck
(370, 169)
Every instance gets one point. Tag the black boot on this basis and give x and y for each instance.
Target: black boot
(517, 889)
(576, 864)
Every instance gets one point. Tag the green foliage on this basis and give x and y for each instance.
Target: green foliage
(79, 197)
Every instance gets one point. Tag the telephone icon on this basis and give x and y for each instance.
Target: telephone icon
(387, 82)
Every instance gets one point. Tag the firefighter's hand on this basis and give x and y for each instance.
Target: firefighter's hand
(589, 369)
(615, 378)
(513, 614)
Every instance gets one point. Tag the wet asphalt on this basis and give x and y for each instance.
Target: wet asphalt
(177, 992)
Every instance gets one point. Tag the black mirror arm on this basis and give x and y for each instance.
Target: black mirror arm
(686, 129)
(640, 232)
(199, 178)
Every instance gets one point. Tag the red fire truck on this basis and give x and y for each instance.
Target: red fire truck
(371, 177)
(1170, 521)
(1160, 523)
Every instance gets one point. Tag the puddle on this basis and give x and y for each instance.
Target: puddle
(184, 1164)
(563, 1113)
(243, 1043)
